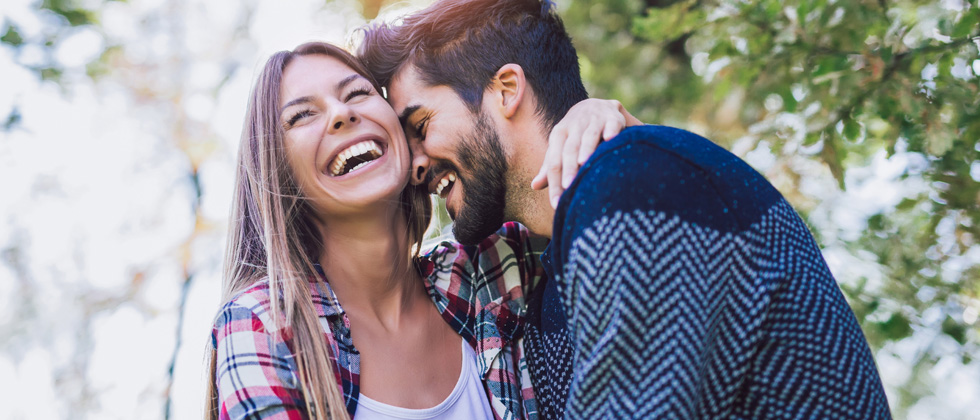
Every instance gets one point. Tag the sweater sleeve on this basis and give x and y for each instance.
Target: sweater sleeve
(254, 368)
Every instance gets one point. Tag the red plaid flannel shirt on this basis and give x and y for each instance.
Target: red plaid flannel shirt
(478, 289)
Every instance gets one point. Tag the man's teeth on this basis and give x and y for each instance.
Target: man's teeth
(364, 152)
(445, 183)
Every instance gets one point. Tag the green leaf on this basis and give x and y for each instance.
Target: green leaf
(968, 25)
(772, 9)
(812, 138)
(954, 329)
(12, 120)
(722, 88)
(876, 222)
(906, 204)
(51, 73)
(834, 154)
(78, 17)
(829, 65)
(885, 53)
(896, 327)
(789, 101)
(669, 23)
(852, 129)
(68, 9)
(801, 11)
(12, 36)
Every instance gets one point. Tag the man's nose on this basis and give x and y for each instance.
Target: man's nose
(420, 163)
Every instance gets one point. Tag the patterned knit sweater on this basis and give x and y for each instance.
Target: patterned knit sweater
(683, 286)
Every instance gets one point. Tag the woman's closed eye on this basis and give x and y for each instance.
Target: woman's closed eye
(296, 117)
(362, 91)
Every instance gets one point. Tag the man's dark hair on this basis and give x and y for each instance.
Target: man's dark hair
(462, 44)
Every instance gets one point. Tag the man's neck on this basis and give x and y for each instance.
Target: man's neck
(539, 216)
(530, 207)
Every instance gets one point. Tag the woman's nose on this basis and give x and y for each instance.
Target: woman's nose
(343, 116)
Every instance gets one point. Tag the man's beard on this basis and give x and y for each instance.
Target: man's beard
(481, 212)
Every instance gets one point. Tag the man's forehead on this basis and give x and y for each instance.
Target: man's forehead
(405, 86)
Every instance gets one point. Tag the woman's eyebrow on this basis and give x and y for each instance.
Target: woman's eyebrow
(347, 80)
(340, 85)
(297, 101)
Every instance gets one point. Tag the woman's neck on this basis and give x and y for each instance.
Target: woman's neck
(367, 261)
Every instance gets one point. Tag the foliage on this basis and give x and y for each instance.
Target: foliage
(62, 19)
(827, 88)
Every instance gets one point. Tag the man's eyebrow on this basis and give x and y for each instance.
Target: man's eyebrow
(340, 85)
(407, 112)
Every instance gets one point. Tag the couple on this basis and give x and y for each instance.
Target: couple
(677, 282)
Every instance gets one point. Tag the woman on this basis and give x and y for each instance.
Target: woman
(322, 193)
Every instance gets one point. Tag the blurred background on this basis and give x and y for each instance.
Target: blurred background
(119, 122)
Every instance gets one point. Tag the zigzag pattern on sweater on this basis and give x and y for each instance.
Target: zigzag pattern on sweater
(670, 319)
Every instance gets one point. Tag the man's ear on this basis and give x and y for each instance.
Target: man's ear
(507, 89)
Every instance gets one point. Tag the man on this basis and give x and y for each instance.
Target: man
(682, 284)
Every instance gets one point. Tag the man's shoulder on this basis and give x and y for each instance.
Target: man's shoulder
(663, 142)
(658, 160)
(671, 171)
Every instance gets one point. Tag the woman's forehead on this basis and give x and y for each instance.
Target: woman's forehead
(319, 68)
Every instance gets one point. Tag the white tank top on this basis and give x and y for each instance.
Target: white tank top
(467, 401)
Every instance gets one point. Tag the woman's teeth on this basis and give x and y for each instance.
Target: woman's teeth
(355, 157)
(445, 183)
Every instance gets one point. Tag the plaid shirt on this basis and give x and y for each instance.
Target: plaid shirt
(479, 290)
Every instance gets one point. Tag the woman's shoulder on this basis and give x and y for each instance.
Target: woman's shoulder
(246, 310)
(255, 295)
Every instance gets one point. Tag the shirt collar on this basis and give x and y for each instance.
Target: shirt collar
(324, 299)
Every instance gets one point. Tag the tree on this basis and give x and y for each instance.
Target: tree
(824, 97)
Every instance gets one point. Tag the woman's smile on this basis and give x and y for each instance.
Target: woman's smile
(353, 158)
(344, 143)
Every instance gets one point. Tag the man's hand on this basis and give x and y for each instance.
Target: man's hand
(573, 140)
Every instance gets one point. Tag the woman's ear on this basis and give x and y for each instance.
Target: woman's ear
(507, 89)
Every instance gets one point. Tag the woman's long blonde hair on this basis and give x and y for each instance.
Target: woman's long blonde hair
(272, 235)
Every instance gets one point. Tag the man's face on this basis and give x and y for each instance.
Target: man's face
(455, 153)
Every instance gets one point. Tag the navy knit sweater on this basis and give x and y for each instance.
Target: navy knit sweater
(683, 286)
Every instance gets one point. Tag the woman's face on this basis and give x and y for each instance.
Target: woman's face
(344, 143)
